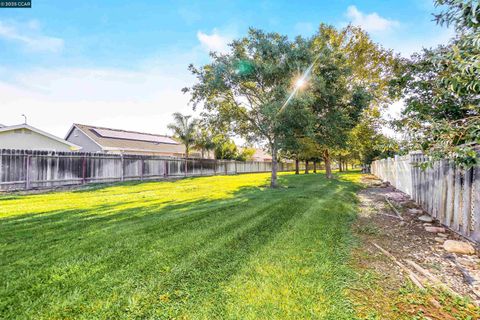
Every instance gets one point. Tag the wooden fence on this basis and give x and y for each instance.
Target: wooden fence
(448, 193)
(27, 169)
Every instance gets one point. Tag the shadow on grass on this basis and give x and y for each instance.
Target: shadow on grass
(182, 251)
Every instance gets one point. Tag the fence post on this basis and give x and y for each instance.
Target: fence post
(27, 172)
(397, 175)
(122, 169)
(84, 169)
(186, 166)
(475, 204)
(141, 168)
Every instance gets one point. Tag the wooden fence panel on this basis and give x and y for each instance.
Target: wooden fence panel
(27, 169)
(450, 194)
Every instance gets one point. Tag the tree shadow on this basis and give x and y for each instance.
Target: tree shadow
(184, 250)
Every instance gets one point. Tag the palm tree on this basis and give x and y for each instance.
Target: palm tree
(203, 139)
(184, 130)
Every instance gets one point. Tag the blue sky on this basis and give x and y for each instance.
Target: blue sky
(123, 63)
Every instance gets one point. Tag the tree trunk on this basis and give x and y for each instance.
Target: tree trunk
(306, 166)
(328, 167)
(314, 166)
(340, 165)
(273, 180)
(346, 165)
(297, 166)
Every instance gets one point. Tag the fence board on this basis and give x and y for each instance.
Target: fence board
(26, 169)
(449, 194)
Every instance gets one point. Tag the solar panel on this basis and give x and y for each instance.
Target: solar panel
(106, 133)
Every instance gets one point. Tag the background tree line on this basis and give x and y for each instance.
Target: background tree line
(322, 98)
(198, 135)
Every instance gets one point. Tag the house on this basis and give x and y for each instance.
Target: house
(26, 137)
(107, 140)
(261, 155)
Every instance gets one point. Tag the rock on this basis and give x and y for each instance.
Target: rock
(414, 211)
(425, 218)
(439, 239)
(467, 262)
(402, 223)
(460, 247)
(434, 229)
(443, 235)
(427, 224)
(409, 204)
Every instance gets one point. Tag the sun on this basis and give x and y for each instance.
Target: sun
(300, 83)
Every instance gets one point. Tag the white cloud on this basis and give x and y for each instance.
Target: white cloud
(28, 34)
(53, 99)
(214, 41)
(370, 22)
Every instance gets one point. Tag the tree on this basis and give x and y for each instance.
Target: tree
(224, 148)
(203, 139)
(462, 62)
(371, 66)
(184, 130)
(442, 90)
(245, 154)
(248, 86)
(337, 104)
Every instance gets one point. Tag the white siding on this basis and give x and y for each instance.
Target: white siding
(29, 140)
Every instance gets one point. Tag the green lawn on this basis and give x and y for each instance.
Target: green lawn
(223, 247)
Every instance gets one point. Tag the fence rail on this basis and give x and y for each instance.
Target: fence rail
(29, 169)
(448, 193)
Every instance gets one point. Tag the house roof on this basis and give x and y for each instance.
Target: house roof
(41, 132)
(261, 154)
(131, 141)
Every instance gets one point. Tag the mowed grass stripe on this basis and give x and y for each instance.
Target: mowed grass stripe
(198, 257)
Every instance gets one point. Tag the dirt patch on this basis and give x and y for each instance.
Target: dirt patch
(390, 219)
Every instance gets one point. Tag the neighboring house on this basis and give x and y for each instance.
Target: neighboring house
(26, 137)
(100, 139)
(261, 155)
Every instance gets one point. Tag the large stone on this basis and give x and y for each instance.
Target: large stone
(425, 218)
(460, 247)
(435, 229)
(439, 239)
